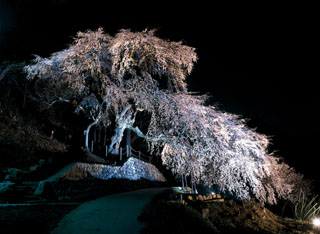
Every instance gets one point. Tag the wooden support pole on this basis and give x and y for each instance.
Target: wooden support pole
(128, 141)
(128, 136)
(128, 153)
(120, 154)
(105, 136)
(182, 179)
(99, 136)
(186, 181)
(106, 151)
(192, 186)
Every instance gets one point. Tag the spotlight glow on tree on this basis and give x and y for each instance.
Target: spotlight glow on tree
(136, 81)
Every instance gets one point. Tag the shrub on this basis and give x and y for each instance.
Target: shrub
(306, 207)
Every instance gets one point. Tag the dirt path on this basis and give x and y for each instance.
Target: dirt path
(115, 213)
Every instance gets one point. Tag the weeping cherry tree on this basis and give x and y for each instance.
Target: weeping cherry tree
(137, 81)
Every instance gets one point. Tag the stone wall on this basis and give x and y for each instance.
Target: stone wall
(81, 181)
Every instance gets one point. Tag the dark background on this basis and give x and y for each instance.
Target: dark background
(256, 61)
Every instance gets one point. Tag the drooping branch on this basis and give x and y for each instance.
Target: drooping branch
(5, 71)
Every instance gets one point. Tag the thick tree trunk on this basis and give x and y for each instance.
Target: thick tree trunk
(123, 120)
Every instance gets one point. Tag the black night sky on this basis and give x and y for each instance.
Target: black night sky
(256, 61)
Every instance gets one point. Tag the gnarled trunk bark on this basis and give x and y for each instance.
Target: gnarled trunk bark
(123, 121)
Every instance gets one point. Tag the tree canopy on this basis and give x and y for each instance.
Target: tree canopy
(114, 80)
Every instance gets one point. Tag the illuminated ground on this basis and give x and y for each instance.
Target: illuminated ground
(110, 214)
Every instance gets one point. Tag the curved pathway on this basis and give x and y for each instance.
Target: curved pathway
(116, 213)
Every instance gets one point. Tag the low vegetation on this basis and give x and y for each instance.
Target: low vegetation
(306, 207)
(231, 216)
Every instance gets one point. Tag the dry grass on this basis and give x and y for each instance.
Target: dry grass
(251, 217)
(21, 140)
